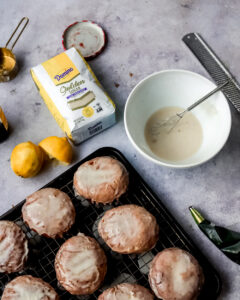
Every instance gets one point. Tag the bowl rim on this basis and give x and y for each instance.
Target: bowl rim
(159, 162)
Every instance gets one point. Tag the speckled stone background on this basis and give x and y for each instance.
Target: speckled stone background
(144, 37)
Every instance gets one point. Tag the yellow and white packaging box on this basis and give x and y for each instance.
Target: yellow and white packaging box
(74, 96)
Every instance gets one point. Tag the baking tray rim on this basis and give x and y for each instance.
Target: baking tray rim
(131, 170)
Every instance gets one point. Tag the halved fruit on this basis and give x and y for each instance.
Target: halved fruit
(57, 148)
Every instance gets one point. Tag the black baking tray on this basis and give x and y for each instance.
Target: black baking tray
(121, 268)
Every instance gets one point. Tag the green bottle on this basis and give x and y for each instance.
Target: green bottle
(226, 240)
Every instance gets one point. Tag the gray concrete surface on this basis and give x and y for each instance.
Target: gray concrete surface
(144, 37)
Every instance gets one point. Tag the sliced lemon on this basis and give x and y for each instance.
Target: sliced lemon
(27, 159)
(57, 148)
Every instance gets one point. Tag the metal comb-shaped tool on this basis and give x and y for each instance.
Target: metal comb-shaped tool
(214, 66)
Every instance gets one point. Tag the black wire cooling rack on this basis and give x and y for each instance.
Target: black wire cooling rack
(121, 268)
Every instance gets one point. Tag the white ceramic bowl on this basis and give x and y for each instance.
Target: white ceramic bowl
(178, 88)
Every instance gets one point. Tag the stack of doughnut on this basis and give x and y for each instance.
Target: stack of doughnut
(80, 263)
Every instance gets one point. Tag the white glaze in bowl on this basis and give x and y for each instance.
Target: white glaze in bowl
(178, 88)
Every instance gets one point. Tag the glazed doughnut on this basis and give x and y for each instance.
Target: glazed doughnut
(28, 287)
(13, 247)
(126, 291)
(129, 229)
(175, 274)
(80, 265)
(101, 180)
(49, 212)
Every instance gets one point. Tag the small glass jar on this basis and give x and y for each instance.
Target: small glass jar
(3, 126)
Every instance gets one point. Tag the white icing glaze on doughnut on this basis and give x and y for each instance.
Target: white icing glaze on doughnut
(79, 264)
(6, 247)
(122, 227)
(129, 229)
(175, 274)
(13, 247)
(123, 296)
(89, 176)
(126, 291)
(49, 211)
(32, 292)
(82, 265)
(43, 210)
(181, 266)
(101, 179)
(29, 288)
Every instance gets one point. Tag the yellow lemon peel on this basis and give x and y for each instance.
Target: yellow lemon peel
(27, 159)
(57, 148)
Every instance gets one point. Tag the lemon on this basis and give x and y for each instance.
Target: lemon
(57, 148)
(27, 159)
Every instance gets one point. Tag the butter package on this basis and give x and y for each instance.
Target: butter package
(74, 96)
